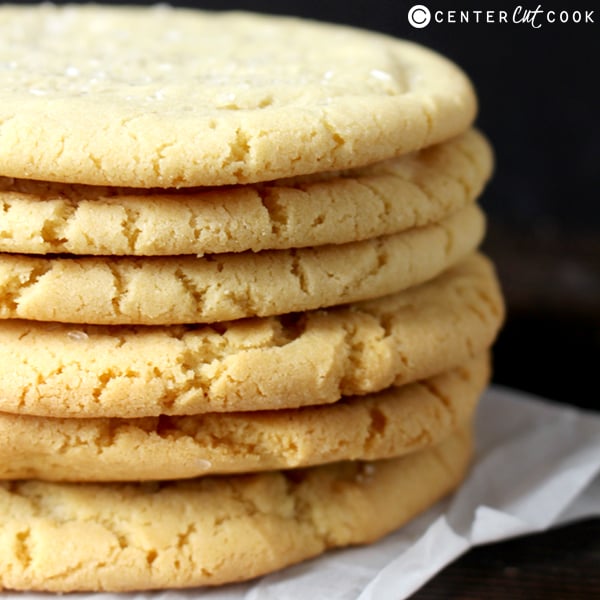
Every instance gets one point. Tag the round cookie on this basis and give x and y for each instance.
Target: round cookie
(50, 369)
(167, 97)
(391, 196)
(213, 530)
(397, 421)
(170, 290)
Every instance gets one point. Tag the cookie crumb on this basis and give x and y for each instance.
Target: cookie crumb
(79, 336)
(365, 473)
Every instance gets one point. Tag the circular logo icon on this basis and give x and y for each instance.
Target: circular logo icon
(419, 16)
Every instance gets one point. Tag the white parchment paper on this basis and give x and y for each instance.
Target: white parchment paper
(537, 465)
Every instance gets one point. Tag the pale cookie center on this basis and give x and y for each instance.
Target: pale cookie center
(190, 64)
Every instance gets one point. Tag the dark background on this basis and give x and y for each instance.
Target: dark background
(539, 103)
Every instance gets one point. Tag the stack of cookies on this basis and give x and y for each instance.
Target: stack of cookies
(244, 319)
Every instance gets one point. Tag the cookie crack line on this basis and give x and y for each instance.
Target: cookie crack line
(286, 517)
(394, 422)
(339, 207)
(171, 290)
(335, 115)
(266, 363)
(17, 281)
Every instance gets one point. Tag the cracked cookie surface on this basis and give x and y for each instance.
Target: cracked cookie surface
(179, 98)
(219, 287)
(394, 422)
(411, 191)
(59, 370)
(212, 530)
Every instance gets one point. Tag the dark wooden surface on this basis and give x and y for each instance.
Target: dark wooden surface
(561, 564)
